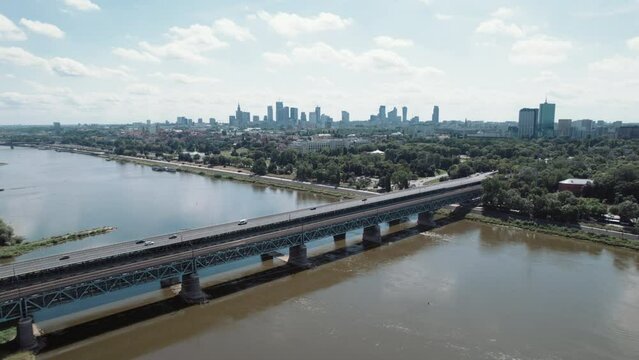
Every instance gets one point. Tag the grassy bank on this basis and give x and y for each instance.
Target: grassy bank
(555, 230)
(256, 180)
(11, 251)
(7, 335)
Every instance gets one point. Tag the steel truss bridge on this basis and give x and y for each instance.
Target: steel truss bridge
(44, 284)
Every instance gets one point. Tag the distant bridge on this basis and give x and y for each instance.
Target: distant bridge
(32, 285)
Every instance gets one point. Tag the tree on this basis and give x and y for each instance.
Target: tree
(259, 167)
(6, 235)
(401, 178)
(627, 210)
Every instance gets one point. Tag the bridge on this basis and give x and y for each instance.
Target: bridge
(32, 285)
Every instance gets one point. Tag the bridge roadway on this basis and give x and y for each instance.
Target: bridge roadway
(129, 256)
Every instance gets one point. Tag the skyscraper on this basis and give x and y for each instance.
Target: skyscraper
(381, 115)
(528, 123)
(346, 117)
(294, 115)
(392, 116)
(318, 114)
(404, 114)
(279, 106)
(269, 113)
(546, 119)
(435, 117)
(286, 116)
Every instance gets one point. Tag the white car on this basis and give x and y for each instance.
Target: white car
(243, 222)
(149, 243)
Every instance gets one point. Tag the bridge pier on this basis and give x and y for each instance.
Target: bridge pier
(266, 257)
(297, 255)
(191, 290)
(372, 236)
(426, 220)
(339, 237)
(25, 337)
(165, 283)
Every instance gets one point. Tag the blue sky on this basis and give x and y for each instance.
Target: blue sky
(113, 61)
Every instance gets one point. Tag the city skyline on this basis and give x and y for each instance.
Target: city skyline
(65, 61)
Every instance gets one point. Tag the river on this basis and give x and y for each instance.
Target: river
(50, 193)
(462, 291)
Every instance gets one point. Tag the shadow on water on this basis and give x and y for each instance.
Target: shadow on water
(156, 312)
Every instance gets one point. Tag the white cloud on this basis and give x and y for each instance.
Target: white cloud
(289, 24)
(425, 2)
(142, 89)
(620, 66)
(229, 28)
(540, 50)
(633, 44)
(135, 55)
(318, 80)
(20, 57)
(185, 78)
(68, 67)
(82, 5)
(389, 42)
(378, 60)
(276, 58)
(443, 17)
(499, 27)
(9, 31)
(503, 13)
(57, 65)
(42, 28)
(187, 44)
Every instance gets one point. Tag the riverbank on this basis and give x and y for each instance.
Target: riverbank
(551, 229)
(11, 251)
(247, 177)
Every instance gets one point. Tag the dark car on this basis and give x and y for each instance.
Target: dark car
(65, 257)
(313, 208)
(139, 242)
(172, 237)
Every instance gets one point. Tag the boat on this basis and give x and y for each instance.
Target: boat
(171, 170)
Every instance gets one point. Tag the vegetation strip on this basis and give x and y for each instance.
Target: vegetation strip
(555, 230)
(247, 179)
(14, 250)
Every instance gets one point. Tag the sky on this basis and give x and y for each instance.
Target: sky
(111, 61)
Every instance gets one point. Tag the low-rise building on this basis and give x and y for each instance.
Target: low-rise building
(574, 185)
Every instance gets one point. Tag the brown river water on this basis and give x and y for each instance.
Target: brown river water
(462, 291)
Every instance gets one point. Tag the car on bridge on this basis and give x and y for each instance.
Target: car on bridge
(243, 222)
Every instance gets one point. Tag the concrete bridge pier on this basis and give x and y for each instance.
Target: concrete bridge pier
(372, 236)
(25, 337)
(426, 220)
(191, 290)
(339, 237)
(297, 255)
